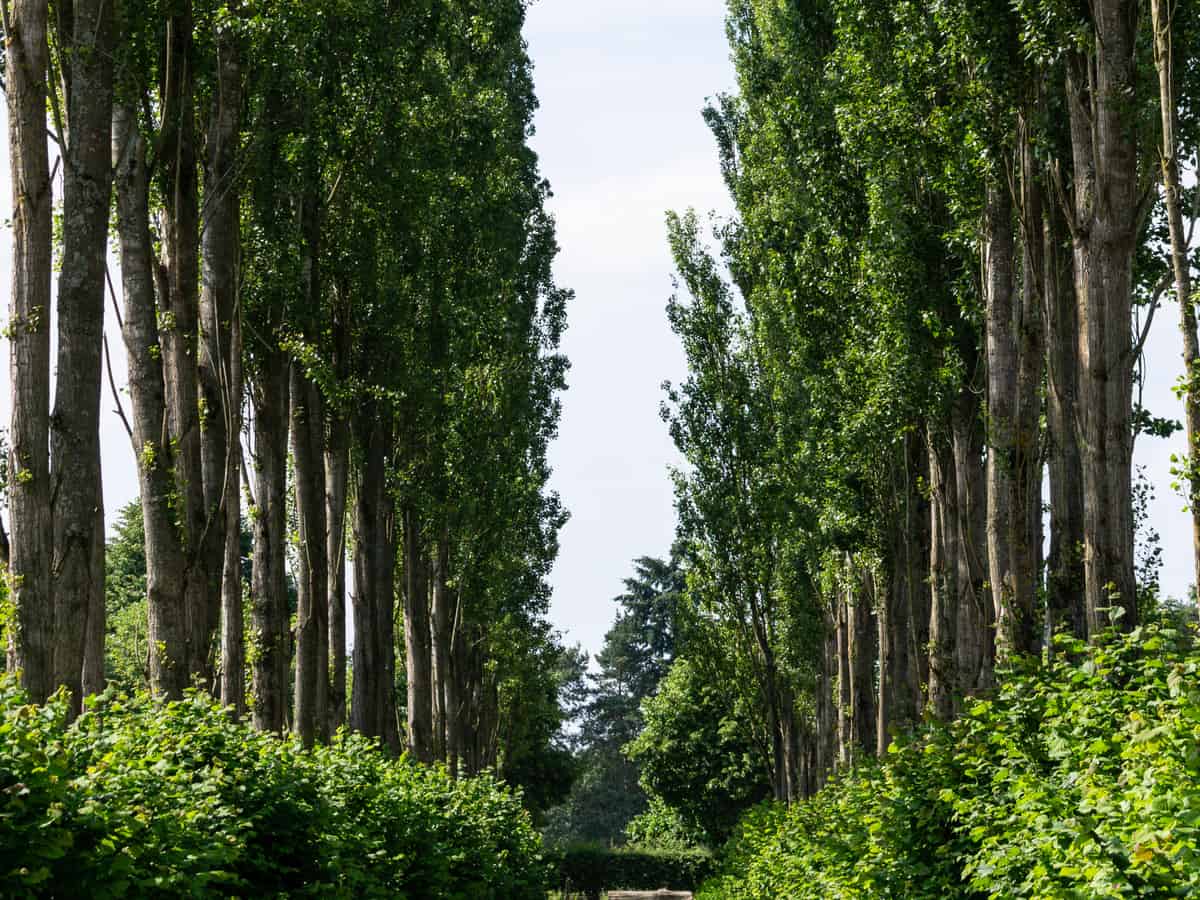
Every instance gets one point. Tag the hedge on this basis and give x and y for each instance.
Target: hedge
(1079, 778)
(590, 869)
(140, 798)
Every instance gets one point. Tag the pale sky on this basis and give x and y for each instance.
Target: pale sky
(619, 133)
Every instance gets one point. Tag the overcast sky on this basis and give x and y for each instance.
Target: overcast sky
(621, 85)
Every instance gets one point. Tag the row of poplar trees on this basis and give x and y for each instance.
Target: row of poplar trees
(955, 221)
(338, 314)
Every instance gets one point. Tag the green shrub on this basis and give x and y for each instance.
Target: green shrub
(592, 868)
(1080, 778)
(139, 798)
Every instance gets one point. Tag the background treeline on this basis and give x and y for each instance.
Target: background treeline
(341, 330)
(917, 349)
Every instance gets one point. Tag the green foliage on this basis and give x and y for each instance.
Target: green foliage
(140, 798)
(662, 827)
(695, 754)
(638, 651)
(590, 869)
(1080, 778)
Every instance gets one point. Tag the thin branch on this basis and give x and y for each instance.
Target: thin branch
(112, 383)
(1159, 289)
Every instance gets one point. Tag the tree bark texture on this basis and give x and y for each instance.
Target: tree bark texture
(373, 705)
(152, 444)
(180, 332)
(1064, 571)
(269, 609)
(1165, 64)
(29, 347)
(1106, 216)
(312, 627)
(219, 370)
(417, 650)
(943, 576)
(85, 40)
(337, 471)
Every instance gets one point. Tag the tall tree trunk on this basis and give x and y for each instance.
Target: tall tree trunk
(845, 699)
(85, 36)
(312, 627)
(1008, 591)
(417, 641)
(180, 332)
(899, 685)
(219, 371)
(337, 471)
(943, 576)
(1164, 61)
(1025, 528)
(1106, 215)
(1064, 575)
(269, 613)
(152, 445)
(862, 675)
(29, 353)
(373, 706)
(976, 639)
(94, 678)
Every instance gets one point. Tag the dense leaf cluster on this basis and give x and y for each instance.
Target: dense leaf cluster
(143, 798)
(1079, 778)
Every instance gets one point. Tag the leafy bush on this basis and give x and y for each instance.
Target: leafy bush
(591, 868)
(1080, 778)
(663, 828)
(139, 798)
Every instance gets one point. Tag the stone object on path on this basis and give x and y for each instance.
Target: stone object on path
(663, 894)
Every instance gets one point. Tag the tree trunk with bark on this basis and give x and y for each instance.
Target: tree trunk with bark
(152, 444)
(219, 369)
(26, 59)
(179, 331)
(312, 627)
(1164, 61)
(1105, 218)
(373, 706)
(1064, 571)
(975, 649)
(337, 474)
(943, 576)
(418, 653)
(269, 613)
(85, 39)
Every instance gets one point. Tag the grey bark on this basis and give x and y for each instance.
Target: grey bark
(944, 685)
(29, 349)
(1064, 571)
(975, 648)
(312, 669)
(179, 333)
(1164, 60)
(417, 650)
(337, 470)
(219, 371)
(152, 444)
(85, 40)
(268, 589)
(1105, 217)
(373, 705)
